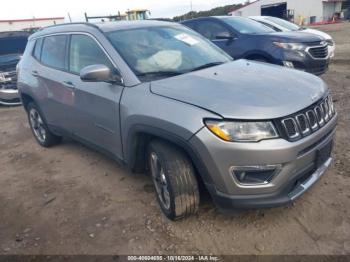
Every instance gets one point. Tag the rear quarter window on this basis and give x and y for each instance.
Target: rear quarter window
(37, 49)
(53, 52)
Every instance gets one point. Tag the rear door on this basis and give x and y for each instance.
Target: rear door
(55, 96)
(95, 118)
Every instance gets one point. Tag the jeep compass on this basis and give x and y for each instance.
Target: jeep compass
(162, 99)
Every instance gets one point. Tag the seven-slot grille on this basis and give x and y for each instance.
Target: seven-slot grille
(319, 52)
(8, 80)
(307, 121)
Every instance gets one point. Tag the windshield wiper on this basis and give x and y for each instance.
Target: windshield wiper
(206, 66)
(160, 73)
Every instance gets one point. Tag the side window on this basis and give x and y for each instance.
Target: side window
(54, 51)
(84, 51)
(190, 25)
(271, 26)
(211, 29)
(37, 48)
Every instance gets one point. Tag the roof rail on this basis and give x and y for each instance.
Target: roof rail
(75, 23)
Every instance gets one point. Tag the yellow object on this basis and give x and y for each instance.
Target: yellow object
(219, 132)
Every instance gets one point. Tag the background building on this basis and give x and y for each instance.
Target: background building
(298, 11)
(29, 24)
(137, 14)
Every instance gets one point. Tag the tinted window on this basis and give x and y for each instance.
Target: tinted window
(37, 49)
(211, 29)
(12, 45)
(54, 51)
(84, 51)
(246, 25)
(270, 25)
(286, 24)
(168, 49)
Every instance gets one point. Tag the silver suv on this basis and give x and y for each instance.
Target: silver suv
(158, 97)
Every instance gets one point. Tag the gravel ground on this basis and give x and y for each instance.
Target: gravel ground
(72, 200)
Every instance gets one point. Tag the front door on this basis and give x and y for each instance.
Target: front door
(215, 32)
(96, 105)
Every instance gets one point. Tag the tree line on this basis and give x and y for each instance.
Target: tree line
(221, 10)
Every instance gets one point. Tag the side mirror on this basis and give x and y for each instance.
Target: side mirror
(99, 73)
(224, 35)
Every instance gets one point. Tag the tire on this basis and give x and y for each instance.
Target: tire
(39, 128)
(172, 171)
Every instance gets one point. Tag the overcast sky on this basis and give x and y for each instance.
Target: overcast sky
(20, 9)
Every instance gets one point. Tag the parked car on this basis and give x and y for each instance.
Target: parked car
(242, 37)
(12, 45)
(281, 25)
(158, 96)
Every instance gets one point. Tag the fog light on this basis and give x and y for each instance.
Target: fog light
(254, 175)
(288, 64)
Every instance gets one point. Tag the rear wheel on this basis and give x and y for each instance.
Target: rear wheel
(39, 128)
(174, 180)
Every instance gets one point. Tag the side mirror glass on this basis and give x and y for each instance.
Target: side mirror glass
(99, 73)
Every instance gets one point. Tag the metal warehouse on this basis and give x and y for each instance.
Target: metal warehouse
(298, 11)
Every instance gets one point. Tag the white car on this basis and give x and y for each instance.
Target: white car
(279, 24)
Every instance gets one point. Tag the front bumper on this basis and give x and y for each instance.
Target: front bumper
(294, 189)
(305, 62)
(298, 173)
(9, 97)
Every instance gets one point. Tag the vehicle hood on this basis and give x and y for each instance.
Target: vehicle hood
(294, 37)
(317, 32)
(8, 62)
(244, 90)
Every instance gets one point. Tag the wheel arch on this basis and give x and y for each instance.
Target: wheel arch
(26, 99)
(258, 54)
(138, 139)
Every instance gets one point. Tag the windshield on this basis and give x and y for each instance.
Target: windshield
(164, 51)
(247, 26)
(12, 45)
(286, 24)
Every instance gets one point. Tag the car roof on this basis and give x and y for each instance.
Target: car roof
(215, 17)
(258, 17)
(101, 26)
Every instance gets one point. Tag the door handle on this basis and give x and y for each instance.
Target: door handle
(68, 84)
(35, 73)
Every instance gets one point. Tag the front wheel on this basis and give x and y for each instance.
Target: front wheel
(39, 128)
(174, 180)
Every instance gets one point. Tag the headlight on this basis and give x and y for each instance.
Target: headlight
(330, 42)
(242, 131)
(291, 46)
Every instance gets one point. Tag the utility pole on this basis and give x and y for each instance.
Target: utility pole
(191, 10)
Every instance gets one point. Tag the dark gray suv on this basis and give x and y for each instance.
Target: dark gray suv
(159, 97)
